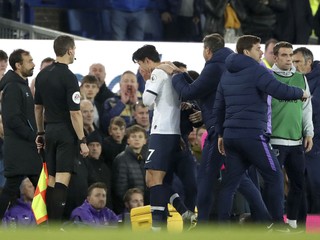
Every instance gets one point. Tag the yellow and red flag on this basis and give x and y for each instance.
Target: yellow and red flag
(38, 205)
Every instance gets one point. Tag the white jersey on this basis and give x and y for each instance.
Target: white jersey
(160, 93)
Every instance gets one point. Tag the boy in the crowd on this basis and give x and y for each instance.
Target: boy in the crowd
(115, 142)
(128, 167)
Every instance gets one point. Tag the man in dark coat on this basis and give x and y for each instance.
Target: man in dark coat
(20, 152)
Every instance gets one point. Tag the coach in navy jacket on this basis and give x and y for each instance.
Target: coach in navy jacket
(243, 92)
(204, 90)
(205, 86)
(241, 118)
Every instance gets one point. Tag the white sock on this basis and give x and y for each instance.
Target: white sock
(292, 223)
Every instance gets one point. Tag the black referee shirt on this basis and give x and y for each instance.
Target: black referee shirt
(58, 91)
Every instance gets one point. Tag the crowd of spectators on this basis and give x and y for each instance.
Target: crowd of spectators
(185, 20)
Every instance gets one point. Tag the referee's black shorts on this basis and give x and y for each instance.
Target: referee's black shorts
(62, 149)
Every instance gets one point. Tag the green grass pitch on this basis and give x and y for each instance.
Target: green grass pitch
(199, 233)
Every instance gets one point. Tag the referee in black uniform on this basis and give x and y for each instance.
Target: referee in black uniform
(57, 91)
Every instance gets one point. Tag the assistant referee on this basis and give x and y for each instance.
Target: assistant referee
(57, 91)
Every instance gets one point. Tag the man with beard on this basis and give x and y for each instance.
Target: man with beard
(20, 130)
(94, 211)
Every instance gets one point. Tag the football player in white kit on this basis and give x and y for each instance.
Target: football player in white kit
(164, 140)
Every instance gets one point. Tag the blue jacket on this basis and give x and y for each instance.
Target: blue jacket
(241, 103)
(205, 86)
(113, 107)
(88, 215)
(313, 78)
(21, 214)
(129, 6)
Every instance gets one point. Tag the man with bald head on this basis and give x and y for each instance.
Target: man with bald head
(98, 70)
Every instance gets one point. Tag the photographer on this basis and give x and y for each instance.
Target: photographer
(123, 104)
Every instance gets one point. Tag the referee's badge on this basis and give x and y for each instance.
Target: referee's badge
(76, 97)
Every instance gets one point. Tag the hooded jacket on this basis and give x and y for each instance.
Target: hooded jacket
(241, 102)
(20, 152)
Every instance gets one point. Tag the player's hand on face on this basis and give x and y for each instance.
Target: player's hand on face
(146, 75)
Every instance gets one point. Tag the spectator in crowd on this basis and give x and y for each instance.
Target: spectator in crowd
(303, 60)
(261, 17)
(21, 213)
(19, 150)
(89, 88)
(181, 20)
(141, 116)
(196, 147)
(93, 211)
(116, 142)
(295, 23)
(128, 19)
(122, 104)
(100, 172)
(128, 167)
(98, 70)
(133, 198)
(243, 124)
(3, 63)
(44, 63)
(87, 112)
(57, 91)
(268, 59)
(153, 25)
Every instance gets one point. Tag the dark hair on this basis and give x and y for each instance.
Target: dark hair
(271, 40)
(147, 51)
(62, 44)
(193, 74)
(134, 129)
(89, 79)
(130, 192)
(3, 55)
(138, 104)
(306, 53)
(179, 64)
(214, 42)
(118, 121)
(97, 185)
(16, 57)
(279, 45)
(246, 42)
